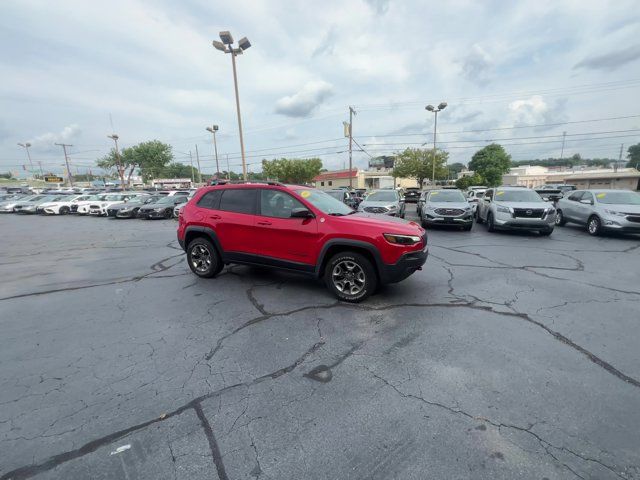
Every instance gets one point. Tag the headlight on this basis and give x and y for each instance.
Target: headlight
(467, 209)
(613, 212)
(401, 239)
(503, 209)
(392, 207)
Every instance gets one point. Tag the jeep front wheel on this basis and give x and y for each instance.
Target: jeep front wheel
(350, 276)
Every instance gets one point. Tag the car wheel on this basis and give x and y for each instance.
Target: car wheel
(478, 218)
(547, 232)
(350, 276)
(560, 221)
(203, 258)
(168, 213)
(594, 226)
(64, 210)
(490, 225)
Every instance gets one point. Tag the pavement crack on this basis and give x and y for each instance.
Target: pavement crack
(213, 443)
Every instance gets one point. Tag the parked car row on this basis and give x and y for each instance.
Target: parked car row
(134, 204)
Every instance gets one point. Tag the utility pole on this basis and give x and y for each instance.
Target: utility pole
(191, 161)
(115, 138)
(619, 157)
(564, 135)
(228, 170)
(66, 161)
(198, 160)
(41, 172)
(349, 133)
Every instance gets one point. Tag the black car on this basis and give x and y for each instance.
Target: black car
(163, 208)
(411, 195)
(130, 208)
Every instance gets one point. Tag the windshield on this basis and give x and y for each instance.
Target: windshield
(165, 200)
(381, 196)
(620, 198)
(447, 196)
(325, 203)
(337, 195)
(523, 195)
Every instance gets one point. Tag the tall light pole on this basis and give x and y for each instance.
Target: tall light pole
(115, 138)
(435, 110)
(213, 130)
(66, 161)
(349, 133)
(226, 46)
(26, 146)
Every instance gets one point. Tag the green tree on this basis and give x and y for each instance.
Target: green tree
(456, 168)
(291, 170)
(6, 175)
(418, 163)
(491, 162)
(633, 154)
(466, 182)
(150, 158)
(179, 170)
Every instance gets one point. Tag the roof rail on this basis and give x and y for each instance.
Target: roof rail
(241, 182)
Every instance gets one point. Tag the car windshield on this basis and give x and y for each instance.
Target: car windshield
(324, 202)
(447, 196)
(388, 196)
(619, 198)
(165, 200)
(338, 195)
(523, 195)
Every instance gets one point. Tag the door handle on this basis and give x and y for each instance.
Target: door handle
(264, 223)
(215, 217)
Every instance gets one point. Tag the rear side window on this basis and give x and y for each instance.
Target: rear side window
(241, 200)
(274, 203)
(210, 199)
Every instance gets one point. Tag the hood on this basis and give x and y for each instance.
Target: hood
(527, 205)
(462, 205)
(369, 203)
(618, 207)
(384, 222)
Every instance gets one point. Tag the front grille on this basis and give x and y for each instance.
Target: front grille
(528, 212)
(634, 219)
(449, 212)
(376, 209)
(94, 207)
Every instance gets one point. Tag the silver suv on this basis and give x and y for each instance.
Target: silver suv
(515, 208)
(386, 202)
(447, 207)
(615, 210)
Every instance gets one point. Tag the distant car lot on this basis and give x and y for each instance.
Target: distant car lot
(510, 355)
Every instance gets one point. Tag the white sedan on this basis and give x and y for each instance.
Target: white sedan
(62, 207)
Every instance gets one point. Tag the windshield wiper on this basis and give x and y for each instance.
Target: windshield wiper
(336, 214)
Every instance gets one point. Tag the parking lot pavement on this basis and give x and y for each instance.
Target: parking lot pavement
(508, 356)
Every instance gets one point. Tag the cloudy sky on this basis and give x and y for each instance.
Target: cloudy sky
(72, 69)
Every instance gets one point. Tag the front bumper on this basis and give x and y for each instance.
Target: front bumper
(510, 223)
(463, 220)
(25, 209)
(148, 214)
(124, 214)
(618, 224)
(408, 264)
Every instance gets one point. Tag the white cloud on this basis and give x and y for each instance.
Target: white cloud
(305, 101)
(47, 140)
(477, 65)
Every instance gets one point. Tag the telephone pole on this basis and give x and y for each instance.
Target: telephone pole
(349, 133)
(228, 170)
(41, 172)
(564, 135)
(191, 161)
(115, 138)
(66, 161)
(198, 160)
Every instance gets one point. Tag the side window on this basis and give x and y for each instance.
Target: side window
(210, 199)
(330, 182)
(576, 196)
(587, 196)
(322, 184)
(241, 200)
(180, 199)
(275, 203)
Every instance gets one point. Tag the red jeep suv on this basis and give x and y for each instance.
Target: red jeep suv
(300, 229)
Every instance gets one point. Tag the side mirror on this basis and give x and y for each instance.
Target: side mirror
(301, 213)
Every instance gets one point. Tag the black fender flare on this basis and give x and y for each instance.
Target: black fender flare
(209, 232)
(347, 242)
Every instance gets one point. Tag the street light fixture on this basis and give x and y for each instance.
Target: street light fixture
(435, 110)
(226, 46)
(213, 130)
(119, 166)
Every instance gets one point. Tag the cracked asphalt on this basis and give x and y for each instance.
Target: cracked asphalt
(508, 356)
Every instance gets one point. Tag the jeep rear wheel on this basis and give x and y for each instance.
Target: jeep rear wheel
(350, 276)
(203, 258)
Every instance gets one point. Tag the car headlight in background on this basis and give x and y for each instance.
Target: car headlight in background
(614, 213)
(503, 209)
(401, 239)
